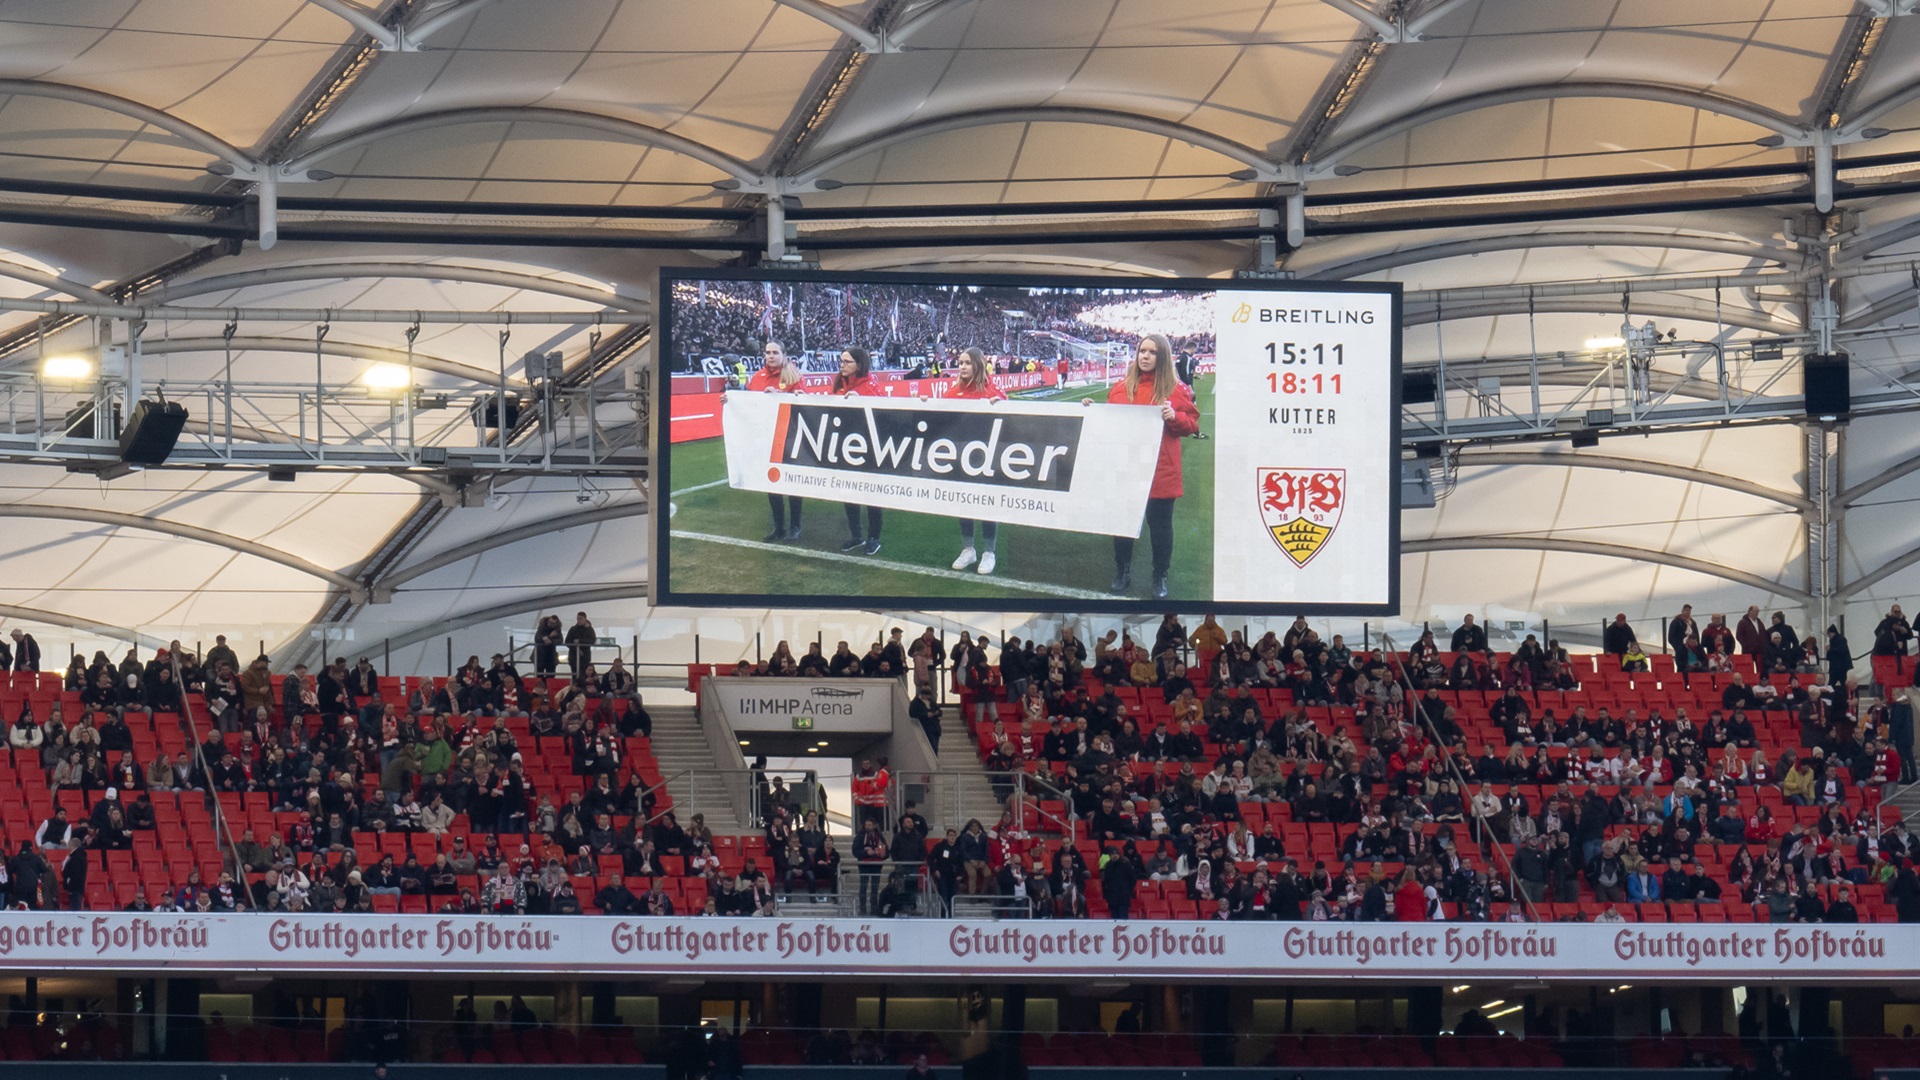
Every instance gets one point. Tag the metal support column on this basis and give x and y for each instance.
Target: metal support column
(1823, 547)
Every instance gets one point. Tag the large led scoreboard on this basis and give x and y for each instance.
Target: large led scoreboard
(870, 440)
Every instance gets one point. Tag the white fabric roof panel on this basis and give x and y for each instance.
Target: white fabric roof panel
(735, 75)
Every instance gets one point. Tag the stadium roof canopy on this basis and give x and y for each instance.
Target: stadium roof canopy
(147, 147)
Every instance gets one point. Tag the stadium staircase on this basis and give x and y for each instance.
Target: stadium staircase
(970, 794)
(692, 776)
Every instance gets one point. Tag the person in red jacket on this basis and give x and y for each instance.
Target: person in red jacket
(779, 375)
(972, 382)
(1410, 899)
(1151, 380)
(855, 378)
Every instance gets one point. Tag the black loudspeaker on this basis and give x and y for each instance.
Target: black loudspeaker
(79, 423)
(1827, 385)
(1418, 388)
(151, 432)
(486, 412)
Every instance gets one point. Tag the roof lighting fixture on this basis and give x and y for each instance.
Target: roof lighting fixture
(70, 367)
(386, 378)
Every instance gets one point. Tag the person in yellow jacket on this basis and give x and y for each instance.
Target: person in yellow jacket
(1797, 785)
(1207, 640)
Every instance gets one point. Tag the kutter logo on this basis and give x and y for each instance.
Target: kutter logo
(1301, 508)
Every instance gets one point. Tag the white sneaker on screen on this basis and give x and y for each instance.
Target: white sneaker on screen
(986, 563)
(966, 559)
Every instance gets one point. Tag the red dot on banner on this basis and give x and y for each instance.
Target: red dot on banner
(773, 475)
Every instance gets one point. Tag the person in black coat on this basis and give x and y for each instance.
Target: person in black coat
(1118, 879)
(1904, 892)
(1839, 657)
(73, 878)
(26, 652)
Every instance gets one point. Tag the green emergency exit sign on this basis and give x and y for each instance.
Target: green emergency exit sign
(803, 723)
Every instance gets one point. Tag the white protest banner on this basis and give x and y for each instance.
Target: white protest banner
(837, 705)
(961, 950)
(1057, 465)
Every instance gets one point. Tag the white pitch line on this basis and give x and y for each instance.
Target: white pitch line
(889, 564)
(698, 487)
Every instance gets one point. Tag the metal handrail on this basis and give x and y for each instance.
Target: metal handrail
(223, 829)
(1481, 829)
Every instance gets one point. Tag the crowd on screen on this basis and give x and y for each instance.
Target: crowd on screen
(906, 325)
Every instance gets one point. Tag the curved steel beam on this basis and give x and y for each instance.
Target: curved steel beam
(346, 350)
(1480, 245)
(1900, 303)
(1508, 458)
(343, 349)
(471, 275)
(838, 20)
(1669, 307)
(361, 19)
(1855, 493)
(69, 622)
(912, 22)
(410, 36)
(1325, 160)
(419, 30)
(114, 519)
(1047, 114)
(626, 130)
(53, 283)
(146, 114)
(1864, 118)
(512, 536)
(557, 601)
(1893, 566)
(1609, 551)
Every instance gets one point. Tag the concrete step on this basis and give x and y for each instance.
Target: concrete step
(678, 745)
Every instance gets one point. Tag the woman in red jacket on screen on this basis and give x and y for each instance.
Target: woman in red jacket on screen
(1151, 380)
(855, 379)
(779, 375)
(971, 381)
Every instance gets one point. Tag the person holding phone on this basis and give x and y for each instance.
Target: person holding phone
(1150, 380)
(778, 374)
(855, 379)
(971, 382)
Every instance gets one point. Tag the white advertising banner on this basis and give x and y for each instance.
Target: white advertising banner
(1307, 462)
(1057, 465)
(834, 705)
(906, 948)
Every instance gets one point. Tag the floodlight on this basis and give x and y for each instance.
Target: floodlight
(71, 367)
(388, 377)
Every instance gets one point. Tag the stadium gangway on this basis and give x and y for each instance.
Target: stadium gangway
(1480, 830)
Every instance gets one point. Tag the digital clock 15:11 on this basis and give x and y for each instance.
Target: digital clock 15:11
(1286, 352)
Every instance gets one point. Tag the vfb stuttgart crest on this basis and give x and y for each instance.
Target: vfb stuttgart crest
(1301, 508)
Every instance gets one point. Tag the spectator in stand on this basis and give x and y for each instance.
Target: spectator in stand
(1891, 635)
(1680, 629)
(1752, 633)
(1469, 637)
(26, 651)
(1410, 899)
(580, 641)
(1839, 656)
(1618, 637)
